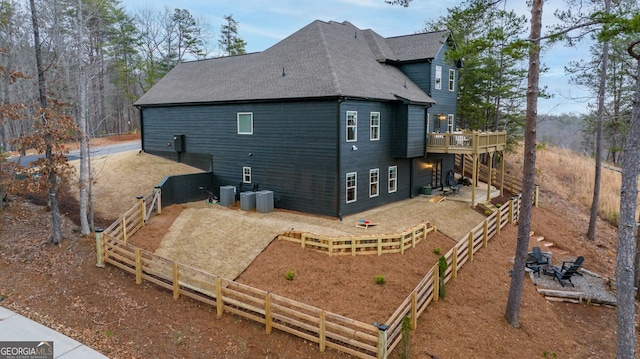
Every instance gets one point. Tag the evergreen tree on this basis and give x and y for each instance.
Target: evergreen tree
(229, 41)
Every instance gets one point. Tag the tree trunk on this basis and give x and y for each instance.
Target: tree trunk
(626, 331)
(53, 178)
(82, 123)
(528, 172)
(595, 203)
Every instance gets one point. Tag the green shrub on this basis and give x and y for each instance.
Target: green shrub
(379, 279)
(487, 212)
(290, 275)
(437, 250)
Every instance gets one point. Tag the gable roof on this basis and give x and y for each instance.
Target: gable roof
(323, 59)
(418, 46)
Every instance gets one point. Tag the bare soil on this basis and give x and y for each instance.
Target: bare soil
(62, 288)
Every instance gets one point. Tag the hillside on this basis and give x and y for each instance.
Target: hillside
(62, 288)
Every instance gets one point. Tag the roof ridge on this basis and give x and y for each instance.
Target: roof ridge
(325, 48)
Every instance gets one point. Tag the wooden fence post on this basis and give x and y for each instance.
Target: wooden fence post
(267, 312)
(353, 247)
(379, 241)
(159, 199)
(536, 195)
(138, 266)
(511, 210)
(382, 341)
(99, 248)
(436, 282)
(414, 310)
(402, 243)
(498, 221)
(143, 208)
(454, 263)
(176, 281)
(303, 240)
(323, 331)
(219, 303)
(471, 246)
(485, 233)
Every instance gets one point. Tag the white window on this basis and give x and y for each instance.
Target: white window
(450, 123)
(374, 179)
(438, 84)
(374, 132)
(352, 126)
(245, 123)
(452, 79)
(352, 182)
(393, 179)
(246, 174)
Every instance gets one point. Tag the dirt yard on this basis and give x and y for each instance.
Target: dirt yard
(103, 308)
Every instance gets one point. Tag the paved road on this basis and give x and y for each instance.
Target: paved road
(95, 152)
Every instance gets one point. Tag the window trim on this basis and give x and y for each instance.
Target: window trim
(246, 174)
(393, 181)
(372, 127)
(354, 187)
(452, 80)
(438, 78)
(238, 123)
(450, 123)
(376, 182)
(354, 126)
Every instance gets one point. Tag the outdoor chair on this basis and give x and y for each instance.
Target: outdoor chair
(537, 260)
(568, 270)
(452, 185)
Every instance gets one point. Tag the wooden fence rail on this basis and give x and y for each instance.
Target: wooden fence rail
(311, 323)
(427, 289)
(360, 245)
(319, 326)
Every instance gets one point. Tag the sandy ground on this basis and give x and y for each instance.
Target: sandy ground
(225, 241)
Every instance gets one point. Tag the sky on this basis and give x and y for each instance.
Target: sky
(262, 23)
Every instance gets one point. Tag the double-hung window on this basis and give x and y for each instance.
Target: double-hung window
(351, 184)
(438, 84)
(352, 126)
(374, 179)
(245, 123)
(374, 132)
(452, 79)
(450, 123)
(393, 179)
(246, 174)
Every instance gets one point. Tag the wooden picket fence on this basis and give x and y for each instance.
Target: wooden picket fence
(327, 329)
(360, 245)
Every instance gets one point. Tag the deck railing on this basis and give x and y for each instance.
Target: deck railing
(466, 142)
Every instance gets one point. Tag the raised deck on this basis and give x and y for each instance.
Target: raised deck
(466, 143)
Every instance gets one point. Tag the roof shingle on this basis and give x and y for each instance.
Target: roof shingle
(323, 59)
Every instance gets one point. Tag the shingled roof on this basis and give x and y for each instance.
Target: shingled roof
(323, 59)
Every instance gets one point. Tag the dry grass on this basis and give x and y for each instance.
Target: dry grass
(571, 175)
(120, 177)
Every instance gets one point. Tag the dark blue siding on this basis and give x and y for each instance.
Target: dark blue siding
(292, 150)
(416, 135)
(419, 73)
(371, 155)
(446, 100)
